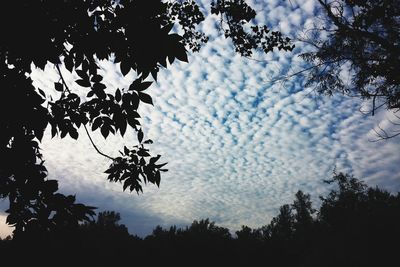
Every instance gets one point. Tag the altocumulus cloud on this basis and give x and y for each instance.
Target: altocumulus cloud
(237, 145)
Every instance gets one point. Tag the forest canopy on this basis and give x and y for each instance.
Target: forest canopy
(354, 225)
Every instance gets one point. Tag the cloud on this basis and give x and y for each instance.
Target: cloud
(237, 145)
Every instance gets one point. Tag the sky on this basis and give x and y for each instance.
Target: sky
(237, 145)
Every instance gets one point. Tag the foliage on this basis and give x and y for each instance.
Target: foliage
(141, 36)
(362, 42)
(234, 18)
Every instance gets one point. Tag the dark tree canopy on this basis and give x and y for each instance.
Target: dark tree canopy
(141, 36)
(363, 39)
(355, 225)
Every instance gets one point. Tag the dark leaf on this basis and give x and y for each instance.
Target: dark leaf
(53, 131)
(157, 178)
(145, 98)
(105, 130)
(83, 75)
(73, 133)
(127, 183)
(140, 135)
(180, 53)
(69, 63)
(133, 122)
(155, 159)
(99, 87)
(143, 153)
(118, 96)
(41, 92)
(144, 85)
(161, 165)
(122, 127)
(97, 78)
(96, 124)
(83, 83)
(125, 67)
(90, 94)
(59, 87)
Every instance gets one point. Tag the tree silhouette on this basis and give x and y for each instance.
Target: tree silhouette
(282, 226)
(362, 41)
(137, 35)
(303, 219)
(356, 225)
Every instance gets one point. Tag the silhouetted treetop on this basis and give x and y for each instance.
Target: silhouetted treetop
(361, 54)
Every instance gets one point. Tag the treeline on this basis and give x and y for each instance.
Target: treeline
(355, 225)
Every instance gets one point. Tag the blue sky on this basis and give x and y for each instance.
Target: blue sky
(237, 145)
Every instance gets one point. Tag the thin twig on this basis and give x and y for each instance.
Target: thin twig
(94, 145)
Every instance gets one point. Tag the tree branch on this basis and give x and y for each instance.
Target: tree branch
(94, 145)
(87, 132)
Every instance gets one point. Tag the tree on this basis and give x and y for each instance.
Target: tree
(281, 227)
(303, 216)
(362, 41)
(136, 34)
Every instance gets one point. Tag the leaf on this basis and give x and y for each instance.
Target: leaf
(90, 94)
(180, 53)
(41, 92)
(155, 159)
(144, 85)
(143, 153)
(148, 141)
(96, 78)
(118, 96)
(59, 87)
(145, 98)
(126, 150)
(73, 133)
(161, 165)
(140, 135)
(154, 73)
(53, 131)
(69, 63)
(82, 74)
(157, 178)
(127, 183)
(125, 67)
(135, 101)
(63, 133)
(105, 131)
(96, 124)
(135, 84)
(133, 122)
(99, 86)
(83, 83)
(122, 127)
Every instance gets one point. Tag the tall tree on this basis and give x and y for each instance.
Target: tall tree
(137, 35)
(303, 212)
(281, 227)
